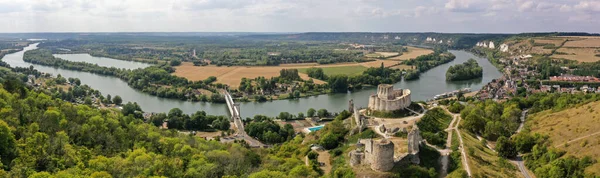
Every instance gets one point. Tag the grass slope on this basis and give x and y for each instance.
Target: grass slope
(485, 162)
(575, 130)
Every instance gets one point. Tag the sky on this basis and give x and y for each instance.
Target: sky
(450, 16)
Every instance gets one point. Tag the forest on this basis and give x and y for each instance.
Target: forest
(43, 136)
(465, 71)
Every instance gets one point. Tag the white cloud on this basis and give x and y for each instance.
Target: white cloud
(590, 6)
(422, 10)
(298, 15)
(526, 6)
(464, 5)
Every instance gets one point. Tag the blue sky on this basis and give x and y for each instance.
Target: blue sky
(478, 16)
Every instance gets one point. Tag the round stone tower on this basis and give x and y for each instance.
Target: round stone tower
(383, 155)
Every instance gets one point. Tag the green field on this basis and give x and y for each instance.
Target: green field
(343, 70)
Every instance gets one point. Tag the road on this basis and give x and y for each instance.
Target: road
(519, 160)
(237, 121)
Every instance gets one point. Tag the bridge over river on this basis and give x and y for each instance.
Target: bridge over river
(234, 111)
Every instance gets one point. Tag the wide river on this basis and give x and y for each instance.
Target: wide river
(431, 83)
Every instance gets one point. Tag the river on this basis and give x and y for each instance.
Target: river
(102, 61)
(431, 83)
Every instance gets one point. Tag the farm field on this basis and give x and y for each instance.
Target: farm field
(540, 50)
(570, 130)
(584, 42)
(233, 75)
(413, 52)
(554, 41)
(579, 54)
(402, 66)
(381, 54)
(344, 70)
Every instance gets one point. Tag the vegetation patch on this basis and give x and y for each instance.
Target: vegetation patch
(465, 71)
(432, 126)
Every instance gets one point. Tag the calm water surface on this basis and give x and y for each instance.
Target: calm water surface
(102, 61)
(431, 83)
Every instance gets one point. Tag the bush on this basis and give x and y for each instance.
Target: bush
(175, 62)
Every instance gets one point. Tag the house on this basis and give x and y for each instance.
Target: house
(585, 88)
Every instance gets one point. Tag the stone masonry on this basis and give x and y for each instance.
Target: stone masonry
(388, 99)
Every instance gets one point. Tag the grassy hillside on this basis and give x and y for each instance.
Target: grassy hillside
(575, 130)
(485, 162)
(432, 126)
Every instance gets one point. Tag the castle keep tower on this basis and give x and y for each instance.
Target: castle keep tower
(383, 155)
(388, 99)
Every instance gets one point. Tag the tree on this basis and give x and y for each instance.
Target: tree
(338, 83)
(77, 82)
(285, 116)
(506, 148)
(117, 100)
(221, 123)
(158, 119)
(132, 108)
(316, 73)
(300, 115)
(7, 145)
(175, 62)
(88, 101)
(323, 113)
(329, 141)
(311, 112)
(108, 98)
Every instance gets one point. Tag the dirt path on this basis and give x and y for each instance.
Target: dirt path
(446, 152)
(576, 139)
(324, 158)
(462, 149)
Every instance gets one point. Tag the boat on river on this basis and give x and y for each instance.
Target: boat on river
(451, 94)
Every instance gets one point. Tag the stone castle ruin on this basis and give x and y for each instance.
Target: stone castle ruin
(387, 99)
(379, 154)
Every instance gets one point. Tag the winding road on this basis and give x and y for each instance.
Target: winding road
(519, 160)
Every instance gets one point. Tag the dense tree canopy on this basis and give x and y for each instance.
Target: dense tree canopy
(465, 71)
